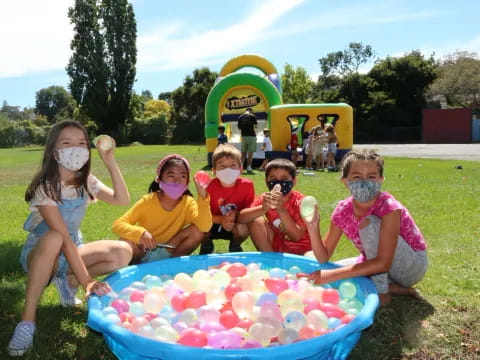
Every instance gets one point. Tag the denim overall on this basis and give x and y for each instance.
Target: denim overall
(72, 212)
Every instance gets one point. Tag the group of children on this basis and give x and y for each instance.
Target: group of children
(320, 145)
(168, 221)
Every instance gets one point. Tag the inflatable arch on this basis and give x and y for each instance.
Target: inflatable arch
(234, 91)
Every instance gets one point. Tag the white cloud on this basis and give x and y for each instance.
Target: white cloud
(171, 47)
(35, 36)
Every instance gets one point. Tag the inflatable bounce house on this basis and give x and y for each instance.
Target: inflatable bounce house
(234, 91)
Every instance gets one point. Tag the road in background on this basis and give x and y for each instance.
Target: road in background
(436, 151)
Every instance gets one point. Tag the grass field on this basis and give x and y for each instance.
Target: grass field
(443, 200)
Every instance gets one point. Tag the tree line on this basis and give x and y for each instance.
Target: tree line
(387, 100)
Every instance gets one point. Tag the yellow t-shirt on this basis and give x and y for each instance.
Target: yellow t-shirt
(148, 215)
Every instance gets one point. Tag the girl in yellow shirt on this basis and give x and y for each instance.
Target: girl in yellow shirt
(167, 221)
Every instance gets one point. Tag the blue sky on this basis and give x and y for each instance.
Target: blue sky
(175, 37)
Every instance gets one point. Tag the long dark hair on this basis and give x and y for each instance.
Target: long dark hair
(48, 176)
(155, 186)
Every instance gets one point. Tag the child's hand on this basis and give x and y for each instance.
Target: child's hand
(106, 154)
(147, 241)
(98, 288)
(228, 221)
(315, 219)
(201, 188)
(316, 277)
(277, 197)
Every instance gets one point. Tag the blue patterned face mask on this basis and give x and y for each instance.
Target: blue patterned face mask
(364, 190)
(285, 184)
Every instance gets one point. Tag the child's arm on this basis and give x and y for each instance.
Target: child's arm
(55, 222)
(313, 228)
(294, 231)
(119, 195)
(126, 225)
(389, 232)
(249, 214)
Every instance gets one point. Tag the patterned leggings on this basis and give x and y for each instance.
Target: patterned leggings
(408, 266)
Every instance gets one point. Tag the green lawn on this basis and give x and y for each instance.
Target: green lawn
(443, 200)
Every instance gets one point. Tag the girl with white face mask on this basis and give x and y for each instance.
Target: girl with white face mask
(54, 251)
(229, 193)
(167, 221)
(392, 248)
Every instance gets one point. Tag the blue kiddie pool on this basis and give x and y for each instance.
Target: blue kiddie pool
(128, 345)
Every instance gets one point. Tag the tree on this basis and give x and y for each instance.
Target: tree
(147, 95)
(102, 66)
(347, 61)
(459, 80)
(296, 85)
(156, 107)
(405, 79)
(188, 107)
(54, 102)
(165, 96)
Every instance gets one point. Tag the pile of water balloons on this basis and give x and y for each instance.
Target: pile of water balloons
(233, 306)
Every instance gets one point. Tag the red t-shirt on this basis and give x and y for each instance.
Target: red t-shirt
(239, 196)
(281, 242)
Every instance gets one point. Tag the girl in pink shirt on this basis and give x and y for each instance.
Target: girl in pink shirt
(392, 248)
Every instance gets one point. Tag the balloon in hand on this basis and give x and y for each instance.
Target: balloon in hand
(105, 142)
(307, 207)
(202, 177)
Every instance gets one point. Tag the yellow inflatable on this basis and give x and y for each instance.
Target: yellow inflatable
(234, 91)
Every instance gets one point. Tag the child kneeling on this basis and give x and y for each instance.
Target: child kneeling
(282, 229)
(229, 194)
(392, 248)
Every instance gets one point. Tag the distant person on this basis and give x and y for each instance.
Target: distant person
(222, 138)
(294, 145)
(332, 147)
(247, 122)
(319, 143)
(266, 148)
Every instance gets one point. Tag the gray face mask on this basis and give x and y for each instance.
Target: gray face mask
(364, 190)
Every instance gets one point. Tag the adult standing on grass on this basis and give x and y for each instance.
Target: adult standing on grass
(247, 122)
(392, 248)
(58, 196)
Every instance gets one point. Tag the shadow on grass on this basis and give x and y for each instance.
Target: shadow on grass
(396, 328)
(10, 258)
(62, 334)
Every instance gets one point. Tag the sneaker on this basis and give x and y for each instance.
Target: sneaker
(235, 248)
(22, 339)
(206, 247)
(67, 294)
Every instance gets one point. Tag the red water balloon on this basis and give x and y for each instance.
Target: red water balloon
(276, 285)
(331, 296)
(229, 319)
(202, 177)
(237, 269)
(230, 290)
(193, 337)
(195, 299)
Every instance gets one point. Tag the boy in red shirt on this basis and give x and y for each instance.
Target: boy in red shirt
(229, 193)
(274, 219)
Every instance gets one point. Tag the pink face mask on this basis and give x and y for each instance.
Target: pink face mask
(173, 190)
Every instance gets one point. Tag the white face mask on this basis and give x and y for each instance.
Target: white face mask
(73, 158)
(228, 176)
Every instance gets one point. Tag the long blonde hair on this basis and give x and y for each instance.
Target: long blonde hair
(48, 176)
